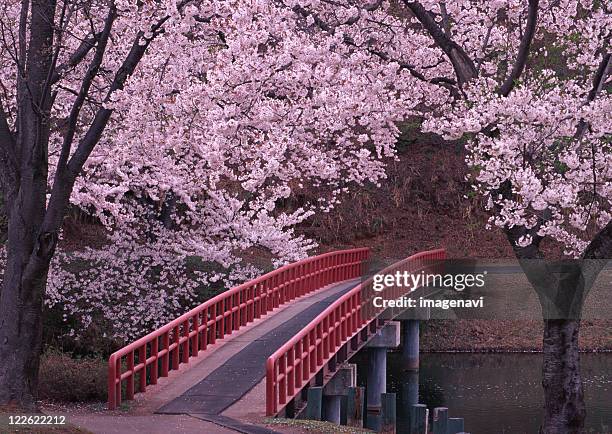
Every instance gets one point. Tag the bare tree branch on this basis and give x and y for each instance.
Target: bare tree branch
(103, 114)
(523, 51)
(602, 74)
(485, 44)
(601, 245)
(79, 54)
(90, 75)
(8, 164)
(462, 63)
(448, 83)
(23, 21)
(445, 19)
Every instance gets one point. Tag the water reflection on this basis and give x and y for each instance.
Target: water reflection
(495, 393)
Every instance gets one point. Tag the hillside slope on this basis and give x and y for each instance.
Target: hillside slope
(424, 204)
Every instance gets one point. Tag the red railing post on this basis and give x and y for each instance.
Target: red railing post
(166, 357)
(205, 328)
(306, 362)
(277, 290)
(325, 338)
(251, 306)
(195, 339)
(185, 344)
(236, 311)
(112, 380)
(299, 280)
(271, 401)
(299, 362)
(221, 315)
(213, 324)
(175, 354)
(259, 293)
(290, 369)
(292, 283)
(155, 365)
(142, 360)
(282, 384)
(269, 289)
(282, 284)
(129, 393)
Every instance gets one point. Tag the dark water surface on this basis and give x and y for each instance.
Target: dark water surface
(494, 393)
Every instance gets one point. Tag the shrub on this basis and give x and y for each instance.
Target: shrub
(68, 379)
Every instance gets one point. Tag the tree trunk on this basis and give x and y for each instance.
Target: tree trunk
(21, 301)
(564, 409)
(20, 339)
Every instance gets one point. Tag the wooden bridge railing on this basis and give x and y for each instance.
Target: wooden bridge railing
(154, 355)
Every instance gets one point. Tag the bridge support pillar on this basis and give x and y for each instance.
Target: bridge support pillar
(410, 350)
(331, 408)
(411, 319)
(354, 407)
(387, 337)
(377, 377)
(333, 392)
(314, 408)
(410, 388)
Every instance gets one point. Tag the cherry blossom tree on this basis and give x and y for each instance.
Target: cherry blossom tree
(182, 127)
(527, 85)
(532, 98)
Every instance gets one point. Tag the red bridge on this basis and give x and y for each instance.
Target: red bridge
(296, 326)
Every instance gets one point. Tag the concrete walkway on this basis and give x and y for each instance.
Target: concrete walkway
(246, 368)
(150, 424)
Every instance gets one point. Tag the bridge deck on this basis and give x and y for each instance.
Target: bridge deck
(241, 367)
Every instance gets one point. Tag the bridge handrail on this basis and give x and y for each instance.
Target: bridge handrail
(297, 361)
(187, 335)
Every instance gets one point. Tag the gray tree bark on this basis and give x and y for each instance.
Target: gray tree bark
(564, 408)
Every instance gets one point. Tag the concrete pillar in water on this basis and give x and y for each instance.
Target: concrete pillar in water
(331, 408)
(411, 319)
(388, 413)
(455, 425)
(339, 385)
(314, 403)
(440, 420)
(377, 377)
(410, 350)
(410, 388)
(385, 338)
(419, 418)
(355, 406)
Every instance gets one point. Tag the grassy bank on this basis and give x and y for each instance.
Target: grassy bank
(505, 336)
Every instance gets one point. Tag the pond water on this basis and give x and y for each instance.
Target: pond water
(494, 393)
